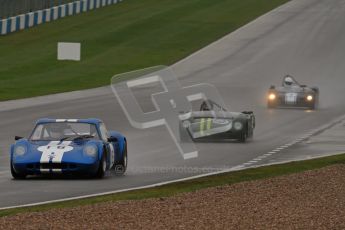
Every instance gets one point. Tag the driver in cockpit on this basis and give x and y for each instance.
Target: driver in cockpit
(289, 82)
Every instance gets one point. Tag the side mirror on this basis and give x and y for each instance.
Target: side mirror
(18, 138)
(112, 139)
(272, 87)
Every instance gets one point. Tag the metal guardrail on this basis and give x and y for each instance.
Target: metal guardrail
(9, 8)
(37, 17)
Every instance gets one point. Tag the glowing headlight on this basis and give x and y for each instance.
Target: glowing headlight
(90, 150)
(309, 97)
(272, 96)
(19, 150)
(238, 125)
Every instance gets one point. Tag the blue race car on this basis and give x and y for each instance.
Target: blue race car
(69, 146)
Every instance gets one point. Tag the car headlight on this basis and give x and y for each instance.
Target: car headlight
(19, 150)
(310, 98)
(90, 150)
(272, 96)
(238, 125)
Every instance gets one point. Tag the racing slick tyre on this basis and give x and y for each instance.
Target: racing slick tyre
(120, 166)
(17, 176)
(101, 168)
(243, 137)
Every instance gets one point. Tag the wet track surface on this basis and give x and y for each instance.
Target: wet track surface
(302, 38)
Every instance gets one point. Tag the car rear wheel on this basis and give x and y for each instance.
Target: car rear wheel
(15, 175)
(120, 166)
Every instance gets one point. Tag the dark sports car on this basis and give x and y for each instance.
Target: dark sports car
(213, 122)
(292, 94)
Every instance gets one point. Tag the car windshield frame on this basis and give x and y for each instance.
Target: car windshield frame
(74, 133)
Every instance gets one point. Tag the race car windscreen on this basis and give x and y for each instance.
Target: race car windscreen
(64, 130)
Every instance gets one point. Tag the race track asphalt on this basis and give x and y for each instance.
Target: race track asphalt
(303, 38)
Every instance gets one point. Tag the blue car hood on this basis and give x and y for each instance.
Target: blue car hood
(56, 152)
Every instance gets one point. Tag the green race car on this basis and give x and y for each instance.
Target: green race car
(213, 122)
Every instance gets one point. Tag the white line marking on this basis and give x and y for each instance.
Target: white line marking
(236, 168)
(143, 81)
(259, 158)
(232, 169)
(300, 139)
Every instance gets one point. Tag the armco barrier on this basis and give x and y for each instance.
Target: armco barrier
(31, 19)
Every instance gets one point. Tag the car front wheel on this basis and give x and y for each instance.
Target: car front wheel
(243, 137)
(15, 175)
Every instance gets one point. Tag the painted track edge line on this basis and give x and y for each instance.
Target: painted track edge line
(322, 128)
(232, 169)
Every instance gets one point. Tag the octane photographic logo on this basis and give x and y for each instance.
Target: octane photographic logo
(172, 105)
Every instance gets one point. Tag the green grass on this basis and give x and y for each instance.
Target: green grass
(193, 185)
(115, 39)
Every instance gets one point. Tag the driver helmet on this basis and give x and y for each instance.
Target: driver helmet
(288, 80)
(206, 106)
(57, 130)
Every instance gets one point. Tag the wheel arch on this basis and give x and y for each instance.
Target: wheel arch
(101, 149)
(121, 139)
